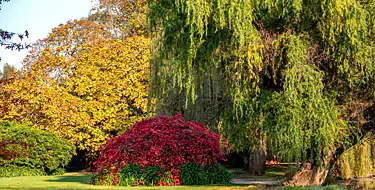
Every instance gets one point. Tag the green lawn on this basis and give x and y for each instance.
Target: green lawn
(80, 181)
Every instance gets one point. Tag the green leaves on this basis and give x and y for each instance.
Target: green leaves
(283, 71)
(130, 175)
(218, 174)
(152, 174)
(306, 121)
(14, 171)
(42, 150)
(196, 174)
(133, 175)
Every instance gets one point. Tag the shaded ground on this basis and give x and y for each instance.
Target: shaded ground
(256, 181)
(274, 176)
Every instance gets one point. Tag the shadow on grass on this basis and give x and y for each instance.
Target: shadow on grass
(83, 179)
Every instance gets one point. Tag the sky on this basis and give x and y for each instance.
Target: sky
(39, 17)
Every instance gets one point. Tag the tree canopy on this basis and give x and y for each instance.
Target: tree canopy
(81, 84)
(301, 72)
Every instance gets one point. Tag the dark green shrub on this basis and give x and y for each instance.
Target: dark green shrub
(14, 171)
(152, 175)
(57, 171)
(22, 145)
(218, 174)
(130, 175)
(194, 174)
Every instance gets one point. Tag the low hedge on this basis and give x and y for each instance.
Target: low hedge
(189, 174)
(14, 171)
(195, 174)
(134, 175)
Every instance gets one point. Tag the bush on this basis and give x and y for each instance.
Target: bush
(14, 171)
(133, 175)
(58, 171)
(130, 175)
(165, 142)
(195, 174)
(152, 175)
(23, 146)
(218, 174)
(162, 141)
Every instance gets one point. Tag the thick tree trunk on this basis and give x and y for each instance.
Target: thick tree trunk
(364, 114)
(257, 162)
(309, 175)
(258, 157)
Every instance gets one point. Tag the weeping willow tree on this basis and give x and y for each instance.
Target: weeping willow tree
(300, 73)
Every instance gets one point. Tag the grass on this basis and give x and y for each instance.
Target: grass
(80, 182)
(276, 172)
(270, 174)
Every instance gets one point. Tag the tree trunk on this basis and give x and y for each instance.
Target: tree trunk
(257, 162)
(315, 175)
(258, 157)
(309, 175)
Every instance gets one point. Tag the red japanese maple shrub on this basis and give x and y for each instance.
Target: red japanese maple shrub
(168, 142)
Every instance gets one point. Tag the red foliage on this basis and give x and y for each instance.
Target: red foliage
(162, 141)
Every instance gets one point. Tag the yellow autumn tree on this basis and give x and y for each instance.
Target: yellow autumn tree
(81, 84)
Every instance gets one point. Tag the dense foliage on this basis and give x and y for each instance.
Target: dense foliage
(81, 85)
(24, 147)
(14, 171)
(189, 174)
(164, 142)
(297, 73)
(359, 160)
(130, 175)
(195, 174)
(6, 71)
(134, 175)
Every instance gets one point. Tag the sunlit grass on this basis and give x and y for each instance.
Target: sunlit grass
(81, 181)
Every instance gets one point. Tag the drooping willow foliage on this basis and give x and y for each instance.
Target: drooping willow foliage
(313, 59)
